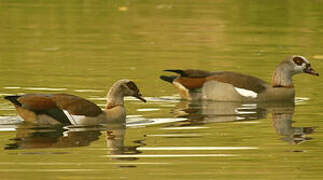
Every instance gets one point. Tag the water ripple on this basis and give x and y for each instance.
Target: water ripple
(44, 89)
(148, 109)
(184, 128)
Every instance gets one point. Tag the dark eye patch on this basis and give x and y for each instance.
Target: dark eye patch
(131, 85)
(298, 60)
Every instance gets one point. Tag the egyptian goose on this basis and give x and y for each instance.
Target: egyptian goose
(68, 109)
(233, 86)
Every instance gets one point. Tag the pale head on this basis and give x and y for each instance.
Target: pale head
(282, 76)
(301, 64)
(129, 88)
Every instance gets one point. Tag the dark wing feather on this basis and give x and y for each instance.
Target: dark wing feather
(39, 104)
(169, 79)
(189, 78)
(192, 73)
(193, 79)
(57, 114)
(13, 99)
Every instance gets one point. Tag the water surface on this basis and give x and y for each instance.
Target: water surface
(82, 47)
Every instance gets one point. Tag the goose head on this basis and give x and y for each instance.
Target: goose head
(282, 76)
(119, 90)
(301, 65)
(129, 88)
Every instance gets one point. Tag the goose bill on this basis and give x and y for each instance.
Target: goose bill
(140, 98)
(311, 71)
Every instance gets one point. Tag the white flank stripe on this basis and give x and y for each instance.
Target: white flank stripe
(246, 92)
(69, 117)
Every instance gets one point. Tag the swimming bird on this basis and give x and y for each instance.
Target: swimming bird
(67, 109)
(233, 86)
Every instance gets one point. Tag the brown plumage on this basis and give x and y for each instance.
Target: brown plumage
(73, 104)
(239, 80)
(76, 105)
(191, 83)
(194, 79)
(233, 86)
(70, 109)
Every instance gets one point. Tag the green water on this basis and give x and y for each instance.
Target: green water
(83, 47)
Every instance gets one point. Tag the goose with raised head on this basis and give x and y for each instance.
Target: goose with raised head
(53, 109)
(233, 86)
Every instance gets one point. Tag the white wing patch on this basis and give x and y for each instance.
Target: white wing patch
(69, 116)
(85, 120)
(246, 92)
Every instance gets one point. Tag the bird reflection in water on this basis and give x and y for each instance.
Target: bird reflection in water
(37, 137)
(282, 117)
(31, 137)
(115, 136)
(202, 112)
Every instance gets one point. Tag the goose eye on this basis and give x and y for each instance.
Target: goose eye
(298, 60)
(131, 85)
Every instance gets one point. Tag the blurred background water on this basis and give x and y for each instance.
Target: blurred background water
(81, 47)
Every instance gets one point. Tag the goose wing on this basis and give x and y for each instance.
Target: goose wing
(56, 105)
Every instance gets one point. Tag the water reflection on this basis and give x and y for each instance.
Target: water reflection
(115, 137)
(212, 111)
(36, 137)
(32, 137)
(282, 117)
(201, 112)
